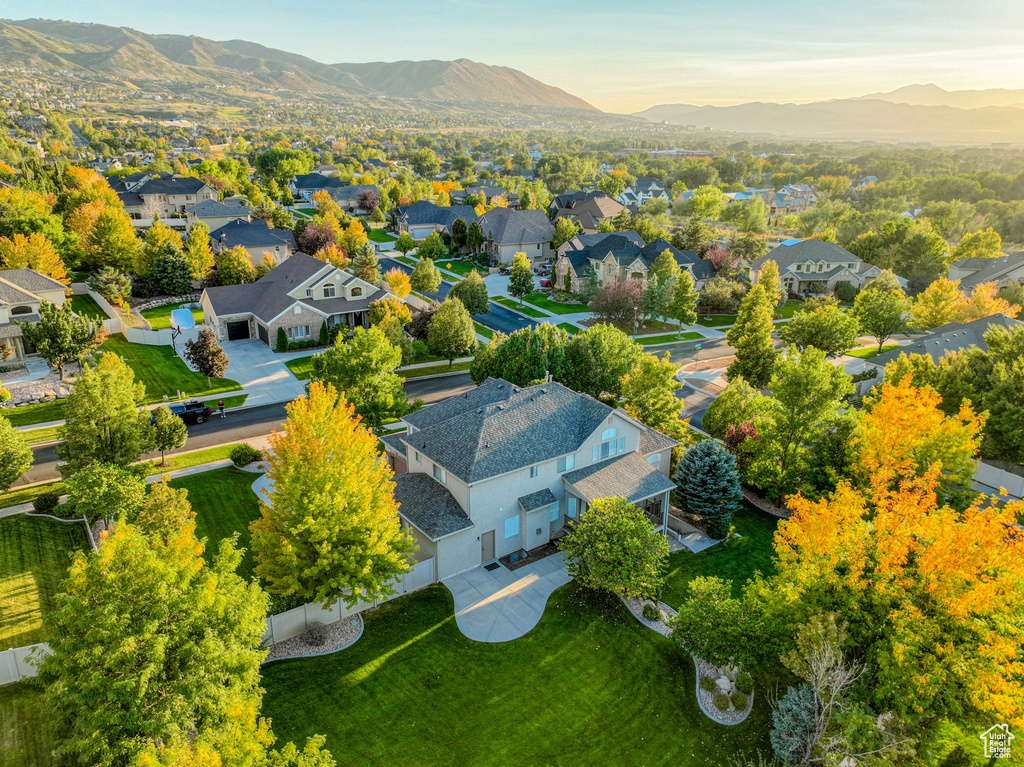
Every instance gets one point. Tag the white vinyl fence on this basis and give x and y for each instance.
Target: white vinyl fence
(135, 335)
(993, 476)
(17, 663)
(293, 622)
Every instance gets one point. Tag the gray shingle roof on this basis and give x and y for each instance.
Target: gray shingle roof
(429, 506)
(268, 296)
(987, 269)
(187, 185)
(425, 212)
(953, 337)
(317, 181)
(394, 441)
(214, 208)
(252, 234)
(31, 280)
(653, 441)
(352, 191)
(610, 240)
(806, 250)
(490, 391)
(482, 440)
(537, 500)
(628, 476)
(504, 226)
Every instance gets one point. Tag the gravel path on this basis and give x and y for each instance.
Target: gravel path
(340, 635)
(636, 606)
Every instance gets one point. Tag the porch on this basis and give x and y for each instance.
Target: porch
(628, 476)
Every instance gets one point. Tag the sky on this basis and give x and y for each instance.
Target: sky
(622, 55)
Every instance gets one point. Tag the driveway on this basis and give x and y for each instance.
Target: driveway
(261, 372)
(503, 604)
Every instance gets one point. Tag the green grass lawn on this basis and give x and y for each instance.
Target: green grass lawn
(668, 338)
(163, 372)
(224, 504)
(301, 367)
(406, 260)
(160, 316)
(544, 301)
(433, 370)
(34, 558)
(526, 309)
(589, 685)
(870, 352)
(788, 309)
(379, 235)
(484, 331)
(716, 320)
(27, 738)
(461, 268)
(86, 306)
(30, 414)
(569, 328)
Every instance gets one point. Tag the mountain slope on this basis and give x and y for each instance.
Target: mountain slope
(123, 53)
(932, 95)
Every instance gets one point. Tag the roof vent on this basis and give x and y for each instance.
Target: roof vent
(500, 385)
(479, 410)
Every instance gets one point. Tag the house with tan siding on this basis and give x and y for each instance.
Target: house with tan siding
(21, 290)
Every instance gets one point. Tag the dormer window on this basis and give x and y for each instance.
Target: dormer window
(329, 290)
(357, 292)
(309, 292)
(21, 310)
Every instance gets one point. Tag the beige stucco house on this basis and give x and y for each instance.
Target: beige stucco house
(165, 196)
(503, 468)
(216, 214)
(507, 232)
(815, 266)
(257, 237)
(21, 290)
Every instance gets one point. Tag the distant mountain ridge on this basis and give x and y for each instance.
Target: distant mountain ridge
(931, 95)
(124, 53)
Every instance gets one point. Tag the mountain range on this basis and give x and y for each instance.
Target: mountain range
(136, 57)
(931, 95)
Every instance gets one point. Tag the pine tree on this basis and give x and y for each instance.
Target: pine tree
(521, 282)
(425, 278)
(206, 355)
(169, 431)
(709, 485)
(365, 264)
(751, 337)
(472, 291)
(451, 333)
(113, 285)
(282, 340)
(61, 336)
(325, 337)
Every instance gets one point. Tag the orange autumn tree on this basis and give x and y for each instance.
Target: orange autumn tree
(32, 252)
(399, 282)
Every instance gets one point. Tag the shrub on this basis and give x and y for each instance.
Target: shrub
(739, 701)
(708, 684)
(243, 455)
(846, 291)
(282, 340)
(5, 395)
(315, 634)
(721, 701)
(718, 528)
(745, 683)
(651, 612)
(46, 503)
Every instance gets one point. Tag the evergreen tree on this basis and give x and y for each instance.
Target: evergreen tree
(113, 285)
(325, 336)
(281, 344)
(365, 264)
(169, 431)
(452, 333)
(206, 355)
(709, 485)
(425, 277)
(472, 291)
(459, 234)
(15, 454)
(198, 251)
(751, 337)
(475, 237)
(521, 282)
(61, 336)
(170, 275)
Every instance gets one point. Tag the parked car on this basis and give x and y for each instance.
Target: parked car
(543, 271)
(545, 283)
(505, 270)
(190, 412)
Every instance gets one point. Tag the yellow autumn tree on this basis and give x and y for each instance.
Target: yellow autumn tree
(334, 255)
(399, 282)
(983, 302)
(32, 252)
(937, 305)
(353, 238)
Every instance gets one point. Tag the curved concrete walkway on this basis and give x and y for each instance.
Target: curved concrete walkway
(502, 604)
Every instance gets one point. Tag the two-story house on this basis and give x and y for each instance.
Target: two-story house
(502, 468)
(619, 256)
(165, 196)
(216, 214)
(21, 290)
(643, 190)
(792, 199)
(303, 187)
(587, 209)
(972, 272)
(299, 296)
(348, 196)
(257, 237)
(507, 232)
(815, 266)
(423, 217)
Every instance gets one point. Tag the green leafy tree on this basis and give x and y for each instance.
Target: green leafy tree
(113, 285)
(459, 234)
(709, 484)
(696, 235)
(61, 336)
(707, 202)
(425, 163)
(521, 282)
(717, 627)
(158, 239)
(682, 305)
(405, 243)
(281, 163)
(198, 251)
(171, 274)
(475, 237)
(751, 337)
(664, 267)
(101, 419)
(206, 355)
(565, 230)
(649, 391)
(739, 403)
(451, 333)
(472, 291)
(234, 266)
(425, 277)
(827, 328)
(392, 327)
(881, 313)
(103, 491)
(984, 244)
(772, 284)
(329, 528)
(615, 548)
(15, 454)
(524, 357)
(937, 305)
(113, 241)
(597, 359)
(169, 432)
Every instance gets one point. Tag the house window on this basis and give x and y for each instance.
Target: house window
(570, 509)
(568, 463)
(821, 267)
(416, 456)
(553, 513)
(299, 331)
(656, 458)
(609, 445)
(329, 290)
(357, 292)
(533, 472)
(21, 310)
(512, 526)
(439, 474)
(309, 292)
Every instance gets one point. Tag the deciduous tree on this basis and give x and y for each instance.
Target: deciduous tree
(61, 336)
(32, 252)
(198, 250)
(597, 359)
(451, 333)
(937, 305)
(682, 304)
(828, 328)
(169, 432)
(472, 291)
(649, 391)
(751, 336)
(206, 355)
(521, 282)
(399, 282)
(881, 313)
(425, 278)
(234, 266)
(405, 243)
(103, 491)
(15, 454)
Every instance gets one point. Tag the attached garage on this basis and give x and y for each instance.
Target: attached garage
(238, 331)
(261, 331)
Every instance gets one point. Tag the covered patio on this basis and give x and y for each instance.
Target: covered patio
(628, 476)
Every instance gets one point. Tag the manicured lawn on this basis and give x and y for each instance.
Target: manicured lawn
(224, 504)
(86, 306)
(160, 316)
(30, 414)
(379, 235)
(433, 370)
(526, 309)
(668, 338)
(484, 331)
(406, 260)
(569, 328)
(735, 560)
(544, 302)
(26, 728)
(163, 372)
(869, 352)
(461, 268)
(788, 309)
(301, 367)
(589, 685)
(716, 320)
(34, 557)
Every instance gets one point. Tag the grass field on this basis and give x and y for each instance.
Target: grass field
(544, 301)
(484, 331)
(433, 370)
(668, 338)
(526, 309)
(163, 372)
(34, 558)
(379, 235)
(26, 729)
(301, 367)
(870, 352)
(30, 414)
(569, 328)
(406, 260)
(86, 306)
(716, 320)
(461, 268)
(788, 309)
(160, 317)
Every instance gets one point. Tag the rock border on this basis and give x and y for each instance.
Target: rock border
(338, 633)
(257, 467)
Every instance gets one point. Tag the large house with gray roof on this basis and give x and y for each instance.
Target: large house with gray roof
(304, 186)
(161, 195)
(257, 237)
(423, 217)
(619, 256)
(21, 290)
(507, 232)
(503, 468)
(216, 214)
(644, 189)
(815, 266)
(972, 272)
(586, 209)
(299, 296)
(348, 196)
(949, 338)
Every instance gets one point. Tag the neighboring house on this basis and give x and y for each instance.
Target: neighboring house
(587, 209)
(815, 266)
(256, 237)
(643, 190)
(133, 181)
(972, 272)
(21, 290)
(507, 232)
(485, 194)
(792, 199)
(216, 214)
(347, 197)
(165, 196)
(581, 241)
(501, 469)
(303, 187)
(325, 170)
(953, 337)
(299, 296)
(423, 217)
(617, 257)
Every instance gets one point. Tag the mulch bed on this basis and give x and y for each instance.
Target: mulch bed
(534, 555)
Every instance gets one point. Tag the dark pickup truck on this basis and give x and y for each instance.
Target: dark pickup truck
(190, 412)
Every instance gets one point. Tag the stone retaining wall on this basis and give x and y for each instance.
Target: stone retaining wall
(766, 506)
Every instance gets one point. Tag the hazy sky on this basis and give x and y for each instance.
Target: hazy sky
(621, 55)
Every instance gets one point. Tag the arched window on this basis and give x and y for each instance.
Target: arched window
(357, 292)
(329, 290)
(608, 434)
(21, 310)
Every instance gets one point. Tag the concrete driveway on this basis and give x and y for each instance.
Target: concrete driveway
(502, 604)
(261, 372)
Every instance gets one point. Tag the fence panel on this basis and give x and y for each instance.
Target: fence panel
(993, 476)
(16, 663)
(420, 576)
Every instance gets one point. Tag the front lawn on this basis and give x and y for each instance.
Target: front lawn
(569, 328)
(164, 372)
(543, 300)
(27, 737)
(589, 685)
(379, 235)
(717, 320)
(788, 309)
(461, 268)
(406, 260)
(30, 414)
(512, 303)
(301, 367)
(870, 352)
(34, 557)
(86, 306)
(431, 370)
(160, 317)
(484, 331)
(668, 338)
